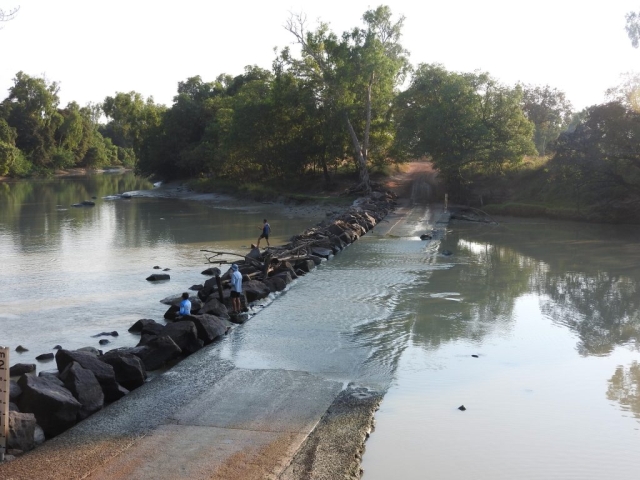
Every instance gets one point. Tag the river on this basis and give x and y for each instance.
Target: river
(549, 309)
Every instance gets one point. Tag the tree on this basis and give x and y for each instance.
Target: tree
(11, 159)
(355, 75)
(627, 92)
(633, 28)
(600, 159)
(466, 122)
(130, 117)
(550, 112)
(32, 109)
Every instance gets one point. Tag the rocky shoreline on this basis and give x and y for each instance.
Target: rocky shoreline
(44, 406)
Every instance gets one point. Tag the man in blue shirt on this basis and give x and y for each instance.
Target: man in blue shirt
(266, 230)
(185, 305)
(236, 289)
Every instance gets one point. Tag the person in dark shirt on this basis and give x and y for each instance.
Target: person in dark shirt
(266, 230)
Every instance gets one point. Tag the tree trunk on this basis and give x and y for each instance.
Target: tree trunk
(367, 128)
(362, 163)
(325, 169)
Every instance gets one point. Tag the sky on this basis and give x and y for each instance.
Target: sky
(95, 49)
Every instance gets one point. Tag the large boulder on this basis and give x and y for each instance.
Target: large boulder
(209, 327)
(212, 271)
(196, 303)
(14, 391)
(184, 333)
(275, 284)
(214, 307)
(285, 276)
(337, 228)
(52, 377)
(103, 371)
(54, 407)
(84, 386)
(140, 324)
(92, 350)
(129, 369)
(255, 290)
(172, 313)
(322, 252)
(154, 328)
(306, 265)
(21, 368)
(317, 260)
(22, 427)
(157, 352)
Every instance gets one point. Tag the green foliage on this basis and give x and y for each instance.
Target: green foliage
(131, 118)
(466, 123)
(31, 109)
(600, 160)
(549, 111)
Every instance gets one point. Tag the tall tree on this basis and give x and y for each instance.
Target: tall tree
(550, 112)
(600, 159)
(130, 117)
(355, 74)
(627, 92)
(466, 122)
(32, 109)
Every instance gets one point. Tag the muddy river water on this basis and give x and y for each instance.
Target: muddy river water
(532, 325)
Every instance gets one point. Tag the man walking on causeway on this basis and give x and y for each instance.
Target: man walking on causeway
(236, 289)
(266, 230)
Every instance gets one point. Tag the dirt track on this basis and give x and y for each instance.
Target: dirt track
(418, 182)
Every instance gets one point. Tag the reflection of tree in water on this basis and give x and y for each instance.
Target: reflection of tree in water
(585, 281)
(490, 280)
(37, 209)
(624, 388)
(602, 308)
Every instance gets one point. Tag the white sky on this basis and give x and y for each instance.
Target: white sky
(94, 49)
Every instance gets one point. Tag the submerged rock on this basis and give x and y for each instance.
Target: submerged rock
(21, 349)
(44, 357)
(105, 334)
(158, 276)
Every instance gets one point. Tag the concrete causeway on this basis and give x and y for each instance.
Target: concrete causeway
(205, 418)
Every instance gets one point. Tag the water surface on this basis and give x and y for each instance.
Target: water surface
(68, 273)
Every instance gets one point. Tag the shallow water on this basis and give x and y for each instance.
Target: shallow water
(68, 273)
(551, 309)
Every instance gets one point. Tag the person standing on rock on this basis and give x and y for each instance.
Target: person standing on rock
(185, 305)
(266, 230)
(236, 289)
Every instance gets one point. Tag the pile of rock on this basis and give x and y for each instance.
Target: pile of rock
(48, 404)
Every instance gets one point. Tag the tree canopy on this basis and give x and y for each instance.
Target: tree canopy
(464, 122)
